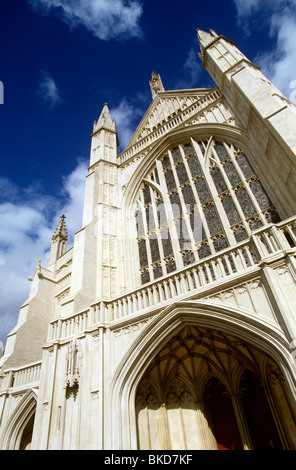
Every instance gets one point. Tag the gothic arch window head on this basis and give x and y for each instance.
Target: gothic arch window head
(201, 197)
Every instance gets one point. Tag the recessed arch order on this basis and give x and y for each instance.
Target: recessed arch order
(255, 331)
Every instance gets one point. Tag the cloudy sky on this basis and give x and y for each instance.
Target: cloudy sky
(61, 60)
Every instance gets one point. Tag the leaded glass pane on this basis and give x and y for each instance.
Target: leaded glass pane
(218, 180)
(221, 151)
(260, 195)
(220, 243)
(139, 224)
(170, 265)
(166, 243)
(245, 202)
(145, 276)
(170, 180)
(157, 271)
(272, 216)
(188, 258)
(240, 234)
(194, 165)
(176, 204)
(166, 162)
(160, 212)
(176, 154)
(154, 248)
(188, 149)
(147, 195)
(150, 218)
(197, 227)
(231, 173)
(230, 210)
(182, 173)
(212, 218)
(183, 234)
(202, 190)
(245, 165)
(255, 223)
(204, 251)
(142, 253)
(188, 197)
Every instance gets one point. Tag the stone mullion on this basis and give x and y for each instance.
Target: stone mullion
(241, 422)
(189, 228)
(201, 160)
(169, 216)
(248, 189)
(146, 232)
(231, 192)
(254, 199)
(164, 437)
(218, 203)
(158, 232)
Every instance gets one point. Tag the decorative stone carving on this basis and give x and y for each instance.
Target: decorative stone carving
(73, 364)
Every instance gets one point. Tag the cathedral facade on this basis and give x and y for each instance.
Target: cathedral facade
(170, 323)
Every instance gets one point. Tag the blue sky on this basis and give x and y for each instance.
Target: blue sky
(60, 61)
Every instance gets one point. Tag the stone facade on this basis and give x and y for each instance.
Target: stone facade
(170, 323)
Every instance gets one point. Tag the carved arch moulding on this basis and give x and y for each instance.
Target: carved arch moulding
(258, 333)
(12, 433)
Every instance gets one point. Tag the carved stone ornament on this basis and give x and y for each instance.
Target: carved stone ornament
(72, 364)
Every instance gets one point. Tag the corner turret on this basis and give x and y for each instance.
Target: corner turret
(156, 84)
(59, 242)
(104, 138)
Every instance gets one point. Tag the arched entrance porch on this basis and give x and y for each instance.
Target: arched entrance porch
(205, 390)
(17, 434)
(176, 355)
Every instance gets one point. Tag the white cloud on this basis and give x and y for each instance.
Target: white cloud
(105, 19)
(246, 7)
(28, 221)
(279, 16)
(48, 91)
(74, 185)
(126, 118)
(192, 69)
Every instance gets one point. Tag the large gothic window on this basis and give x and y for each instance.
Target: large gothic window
(200, 198)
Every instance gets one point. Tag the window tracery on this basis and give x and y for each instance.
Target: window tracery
(200, 198)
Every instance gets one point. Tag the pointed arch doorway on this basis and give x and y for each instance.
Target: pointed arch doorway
(189, 396)
(222, 419)
(17, 434)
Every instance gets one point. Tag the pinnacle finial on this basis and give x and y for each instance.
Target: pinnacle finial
(61, 230)
(205, 38)
(156, 84)
(59, 242)
(105, 120)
